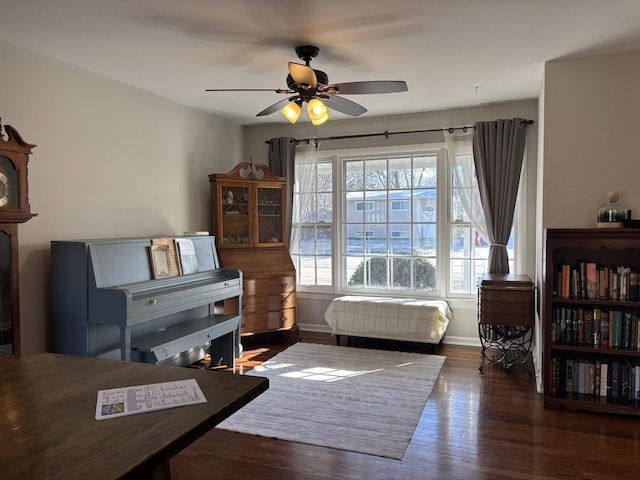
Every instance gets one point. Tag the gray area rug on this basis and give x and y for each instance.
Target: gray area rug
(355, 399)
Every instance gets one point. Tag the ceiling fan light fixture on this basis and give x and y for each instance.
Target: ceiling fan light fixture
(317, 111)
(321, 120)
(291, 111)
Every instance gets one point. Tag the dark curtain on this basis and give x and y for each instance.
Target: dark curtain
(498, 150)
(282, 162)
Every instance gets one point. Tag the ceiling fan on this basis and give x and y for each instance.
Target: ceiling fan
(306, 84)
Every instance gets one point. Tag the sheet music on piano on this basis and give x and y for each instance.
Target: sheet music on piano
(119, 402)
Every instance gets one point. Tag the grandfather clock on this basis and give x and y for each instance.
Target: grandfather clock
(14, 209)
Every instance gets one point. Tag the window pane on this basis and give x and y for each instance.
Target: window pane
(375, 173)
(354, 207)
(354, 271)
(324, 270)
(425, 205)
(424, 274)
(459, 274)
(307, 240)
(324, 240)
(425, 171)
(306, 271)
(400, 172)
(324, 178)
(353, 175)
(376, 238)
(325, 207)
(376, 272)
(353, 236)
(308, 203)
(400, 272)
(424, 239)
(376, 206)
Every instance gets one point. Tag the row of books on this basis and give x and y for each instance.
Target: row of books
(596, 327)
(587, 280)
(613, 378)
(171, 257)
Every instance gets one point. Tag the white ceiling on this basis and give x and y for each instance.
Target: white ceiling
(451, 53)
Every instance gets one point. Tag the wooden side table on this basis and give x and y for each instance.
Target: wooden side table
(506, 320)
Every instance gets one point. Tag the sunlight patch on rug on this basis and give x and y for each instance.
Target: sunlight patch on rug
(355, 399)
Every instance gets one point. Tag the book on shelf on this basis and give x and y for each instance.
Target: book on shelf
(587, 280)
(616, 318)
(187, 254)
(597, 368)
(634, 289)
(604, 379)
(565, 280)
(613, 378)
(597, 327)
(591, 270)
(614, 393)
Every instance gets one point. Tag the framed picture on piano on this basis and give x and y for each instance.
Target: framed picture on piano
(160, 262)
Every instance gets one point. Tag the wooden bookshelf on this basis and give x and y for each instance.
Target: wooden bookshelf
(581, 331)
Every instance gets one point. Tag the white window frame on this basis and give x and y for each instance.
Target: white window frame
(443, 222)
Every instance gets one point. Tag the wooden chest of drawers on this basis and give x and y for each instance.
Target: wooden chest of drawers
(268, 303)
(269, 289)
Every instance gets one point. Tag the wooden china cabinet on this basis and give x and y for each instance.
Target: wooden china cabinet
(248, 209)
(14, 209)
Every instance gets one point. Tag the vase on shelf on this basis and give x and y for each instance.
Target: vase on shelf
(612, 213)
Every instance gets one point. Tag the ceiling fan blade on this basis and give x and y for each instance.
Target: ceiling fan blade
(276, 90)
(275, 107)
(370, 87)
(343, 105)
(303, 75)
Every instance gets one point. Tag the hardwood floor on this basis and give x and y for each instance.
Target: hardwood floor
(474, 426)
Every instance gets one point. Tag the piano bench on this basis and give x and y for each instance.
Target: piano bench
(175, 345)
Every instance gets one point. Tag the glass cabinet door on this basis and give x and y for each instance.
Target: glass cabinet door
(270, 215)
(235, 215)
(6, 310)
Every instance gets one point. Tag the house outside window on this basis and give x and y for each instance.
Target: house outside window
(390, 223)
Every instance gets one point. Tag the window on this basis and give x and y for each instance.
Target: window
(401, 255)
(368, 206)
(315, 243)
(469, 250)
(387, 225)
(400, 205)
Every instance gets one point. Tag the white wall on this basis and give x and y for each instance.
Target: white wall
(110, 161)
(591, 140)
(589, 145)
(463, 329)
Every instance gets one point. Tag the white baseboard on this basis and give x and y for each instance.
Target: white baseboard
(451, 340)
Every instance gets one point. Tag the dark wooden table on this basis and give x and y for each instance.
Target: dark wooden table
(48, 427)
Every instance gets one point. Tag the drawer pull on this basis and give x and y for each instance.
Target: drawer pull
(284, 285)
(153, 301)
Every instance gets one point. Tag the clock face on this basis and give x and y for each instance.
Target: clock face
(8, 184)
(5, 190)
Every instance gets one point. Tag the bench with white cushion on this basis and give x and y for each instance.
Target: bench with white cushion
(406, 319)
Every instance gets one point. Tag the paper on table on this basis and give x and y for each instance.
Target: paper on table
(118, 402)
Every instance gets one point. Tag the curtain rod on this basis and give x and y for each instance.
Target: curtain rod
(386, 134)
